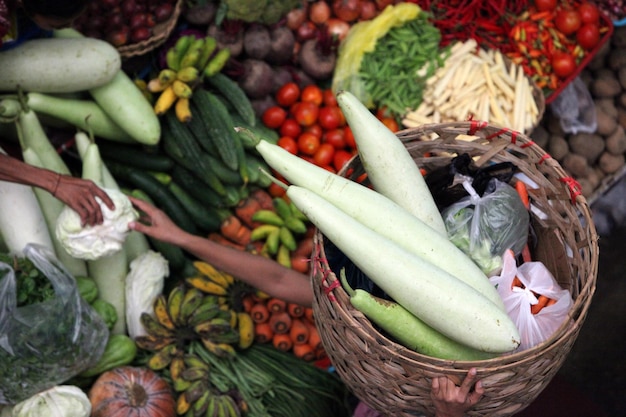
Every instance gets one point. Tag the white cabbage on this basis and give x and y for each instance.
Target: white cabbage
(59, 401)
(144, 283)
(97, 241)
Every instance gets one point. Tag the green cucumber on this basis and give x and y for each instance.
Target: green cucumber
(146, 158)
(234, 94)
(205, 217)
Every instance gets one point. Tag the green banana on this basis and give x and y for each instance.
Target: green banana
(272, 242)
(191, 301)
(268, 217)
(175, 302)
(297, 213)
(282, 208)
(203, 313)
(210, 43)
(286, 238)
(192, 361)
(162, 358)
(195, 390)
(180, 48)
(295, 225)
(232, 410)
(153, 327)
(201, 405)
(192, 55)
(188, 74)
(262, 232)
(194, 374)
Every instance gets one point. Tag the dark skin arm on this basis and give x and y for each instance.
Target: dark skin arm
(78, 194)
(452, 400)
(260, 272)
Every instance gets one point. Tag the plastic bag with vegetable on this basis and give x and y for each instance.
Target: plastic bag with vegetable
(575, 108)
(533, 299)
(45, 343)
(484, 227)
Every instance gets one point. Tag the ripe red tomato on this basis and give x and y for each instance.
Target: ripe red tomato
(545, 5)
(341, 158)
(312, 94)
(316, 129)
(274, 116)
(567, 21)
(289, 144)
(305, 113)
(328, 118)
(324, 154)
(563, 64)
(336, 138)
(290, 128)
(308, 143)
(288, 94)
(589, 13)
(349, 137)
(328, 98)
(588, 35)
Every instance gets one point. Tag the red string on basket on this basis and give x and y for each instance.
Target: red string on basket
(475, 126)
(574, 187)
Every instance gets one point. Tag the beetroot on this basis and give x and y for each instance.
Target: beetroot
(315, 62)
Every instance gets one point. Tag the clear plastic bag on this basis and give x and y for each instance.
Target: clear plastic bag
(536, 280)
(46, 343)
(484, 227)
(575, 108)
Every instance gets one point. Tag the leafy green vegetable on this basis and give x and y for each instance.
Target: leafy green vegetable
(32, 285)
(260, 11)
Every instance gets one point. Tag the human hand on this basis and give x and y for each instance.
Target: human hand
(451, 400)
(80, 195)
(154, 222)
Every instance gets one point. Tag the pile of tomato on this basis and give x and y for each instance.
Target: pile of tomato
(312, 126)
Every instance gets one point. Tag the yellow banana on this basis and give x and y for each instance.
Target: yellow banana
(162, 358)
(153, 343)
(245, 327)
(188, 74)
(283, 256)
(212, 273)
(177, 366)
(229, 278)
(153, 327)
(182, 109)
(182, 405)
(191, 301)
(262, 232)
(167, 76)
(161, 314)
(286, 238)
(222, 350)
(156, 86)
(205, 284)
(181, 89)
(174, 303)
(166, 100)
(233, 318)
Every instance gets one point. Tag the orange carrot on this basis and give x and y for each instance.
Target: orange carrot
(280, 322)
(259, 313)
(308, 313)
(536, 308)
(242, 237)
(263, 198)
(314, 336)
(304, 247)
(218, 238)
(301, 264)
(295, 310)
(276, 305)
(263, 332)
(299, 331)
(304, 352)
(522, 191)
(245, 209)
(282, 341)
(247, 302)
(230, 226)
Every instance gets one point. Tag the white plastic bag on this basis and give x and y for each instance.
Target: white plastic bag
(575, 108)
(536, 280)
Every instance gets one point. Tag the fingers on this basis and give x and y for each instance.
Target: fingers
(468, 382)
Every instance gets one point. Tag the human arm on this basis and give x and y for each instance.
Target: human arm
(262, 273)
(77, 193)
(451, 400)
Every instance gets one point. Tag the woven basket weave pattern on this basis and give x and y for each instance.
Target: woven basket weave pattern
(395, 380)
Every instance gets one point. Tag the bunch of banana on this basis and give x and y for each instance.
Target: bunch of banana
(279, 229)
(188, 61)
(198, 394)
(218, 283)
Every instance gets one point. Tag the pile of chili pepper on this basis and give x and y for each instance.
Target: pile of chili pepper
(489, 22)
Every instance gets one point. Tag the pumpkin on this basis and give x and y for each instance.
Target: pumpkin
(131, 391)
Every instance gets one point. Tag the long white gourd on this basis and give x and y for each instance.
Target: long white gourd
(380, 214)
(442, 301)
(388, 164)
(109, 272)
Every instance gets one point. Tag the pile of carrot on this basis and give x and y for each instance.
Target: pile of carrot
(287, 326)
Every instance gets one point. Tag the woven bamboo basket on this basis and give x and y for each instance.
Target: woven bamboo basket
(395, 380)
(160, 33)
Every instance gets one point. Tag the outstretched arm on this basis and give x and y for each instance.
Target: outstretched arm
(260, 272)
(77, 193)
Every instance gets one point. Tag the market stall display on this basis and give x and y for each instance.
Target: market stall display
(233, 114)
